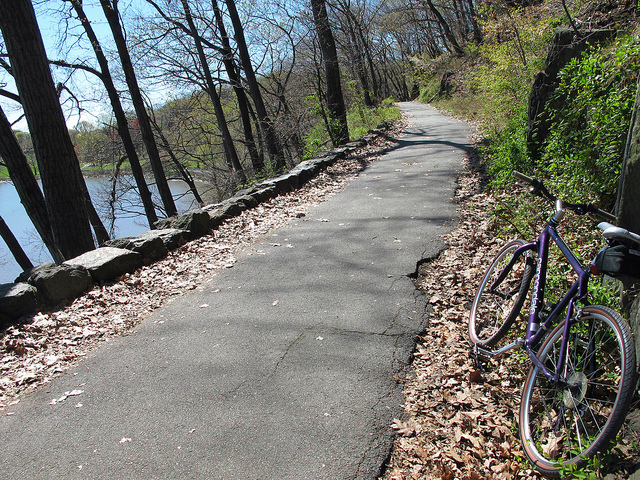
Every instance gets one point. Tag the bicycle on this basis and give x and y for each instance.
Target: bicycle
(582, 375)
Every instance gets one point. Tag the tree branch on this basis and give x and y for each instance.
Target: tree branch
(10, 95)
(79, 66)
(184, 28)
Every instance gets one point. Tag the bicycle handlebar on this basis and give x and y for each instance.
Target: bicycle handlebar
(523, 177)
(538, 188)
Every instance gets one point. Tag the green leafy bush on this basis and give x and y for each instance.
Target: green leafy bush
(506, 149)
(584, 150)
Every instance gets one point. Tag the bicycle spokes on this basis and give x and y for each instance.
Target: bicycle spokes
(566, 418)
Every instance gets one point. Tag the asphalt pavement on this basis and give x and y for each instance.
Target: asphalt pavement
(288, 373)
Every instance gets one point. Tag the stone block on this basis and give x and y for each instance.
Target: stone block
(56, 283)
(172, 238)
(195, 221)
(150, 246)
(16, 299)
(264, 194)
(106, 263)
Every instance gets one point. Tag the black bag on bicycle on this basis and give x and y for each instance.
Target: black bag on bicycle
(619, 261)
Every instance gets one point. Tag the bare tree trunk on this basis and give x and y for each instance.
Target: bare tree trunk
(271, 139)
(121, 118)
(226, 53)
(339, 130)
(109, 7)
(14, 247)
(227, 141)
(451, 38)
(57, 161)
(628, 202)
(477, 31)
(243, 104)
(184, 173)
(101, 233)
(628, 207)
(367, 52)
(361, 70)
(27, 186)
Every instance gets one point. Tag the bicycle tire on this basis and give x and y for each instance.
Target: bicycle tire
(494, 311)
(566, 425)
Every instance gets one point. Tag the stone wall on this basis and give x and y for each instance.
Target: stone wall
(48, 284)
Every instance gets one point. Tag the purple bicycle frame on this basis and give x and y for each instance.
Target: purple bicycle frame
(578, 290)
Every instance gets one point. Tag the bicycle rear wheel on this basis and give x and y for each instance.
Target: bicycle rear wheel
(495, 307)
(567, 423)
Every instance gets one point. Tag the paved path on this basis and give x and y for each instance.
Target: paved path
(288, 374)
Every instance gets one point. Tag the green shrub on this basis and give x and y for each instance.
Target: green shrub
(506, 150)
(361, 119)
(584, 151)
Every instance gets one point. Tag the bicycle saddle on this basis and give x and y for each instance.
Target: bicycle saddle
(618, 233)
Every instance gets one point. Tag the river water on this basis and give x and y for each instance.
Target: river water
(129, 223)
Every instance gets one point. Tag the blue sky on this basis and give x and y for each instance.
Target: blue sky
(53, 28)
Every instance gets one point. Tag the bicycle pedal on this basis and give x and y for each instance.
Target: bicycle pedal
(480, 357)
(480, 365)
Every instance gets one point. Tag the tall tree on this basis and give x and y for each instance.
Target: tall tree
(27, 186)
(628, 206)
(243, 103)
(225, 54)
(229, 148)
(628, 203)
(266, 125)
(121, 118)
(61, 177)
(451, 38)
(339, 129)
(110, 9)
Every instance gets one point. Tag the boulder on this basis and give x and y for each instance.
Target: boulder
(216, 217)
(264, 194)
(283, 183)
(150, 247)
(306, 170)
(230, 208)
(172, 238)
(328, 159)
(16, 299)
(106, 263)
(195, 221)
(247, 200)
(58, 282)
(246, 191)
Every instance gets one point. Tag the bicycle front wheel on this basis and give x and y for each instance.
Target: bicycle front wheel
(567, 423)
(497, 305)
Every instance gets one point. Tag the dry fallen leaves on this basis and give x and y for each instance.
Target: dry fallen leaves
(459, 422)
